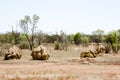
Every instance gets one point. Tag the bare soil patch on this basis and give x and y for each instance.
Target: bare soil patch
(62, 65)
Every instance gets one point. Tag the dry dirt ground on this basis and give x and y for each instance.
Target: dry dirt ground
(62, 65)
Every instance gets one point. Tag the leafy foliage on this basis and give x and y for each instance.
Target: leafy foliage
(40, 37)
(77, 38)
(64, 40)
(56, 46)
(24, 45)
(71, 38)
(113, 38)
(97, 36)
(85, 40)
(115, 47)
(16, 36)
(28, 25)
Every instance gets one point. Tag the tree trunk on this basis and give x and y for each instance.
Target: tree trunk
(30, 43)
(31, 47)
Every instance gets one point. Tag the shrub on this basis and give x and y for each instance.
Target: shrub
(77, 38)
(6, 46)
(112, 37)
(24, 45)
(1, 53)
(108, 48)
(116, 47)
(85, 40)
(56, 46)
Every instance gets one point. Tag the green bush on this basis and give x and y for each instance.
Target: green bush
(77, 38)
(24, 45)
(85, 40)
(116, 47)
(112, 37)
(56, 46)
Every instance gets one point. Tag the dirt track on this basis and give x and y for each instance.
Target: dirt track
(51, 70)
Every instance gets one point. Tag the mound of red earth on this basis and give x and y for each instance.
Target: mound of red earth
(93, 50)
(40, 53)
(13, 53)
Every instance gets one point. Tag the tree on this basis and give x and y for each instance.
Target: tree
(40, 36)
(64, 40)
(97, 36)
(85, 40)
(77, 38)
(16, 36)
(7, 38)
(53, 38)
(113, 38)
(22, 37)
(71, 38)
(28, 25)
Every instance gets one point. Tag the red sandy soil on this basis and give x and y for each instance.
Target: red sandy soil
(61, 66)
(55, 70)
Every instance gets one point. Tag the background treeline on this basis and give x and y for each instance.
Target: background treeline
(61, 40)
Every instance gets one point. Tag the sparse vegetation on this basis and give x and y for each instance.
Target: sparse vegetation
(113, 39)
(64, 65)
(63, 40)
(6, 46)
(77, 38)
(24, 45)
(85, 40)
(98, 36)
(40, 37)
(63, 51)
(56, 46)
(16, 37)
(1, 52)
(28, 25)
